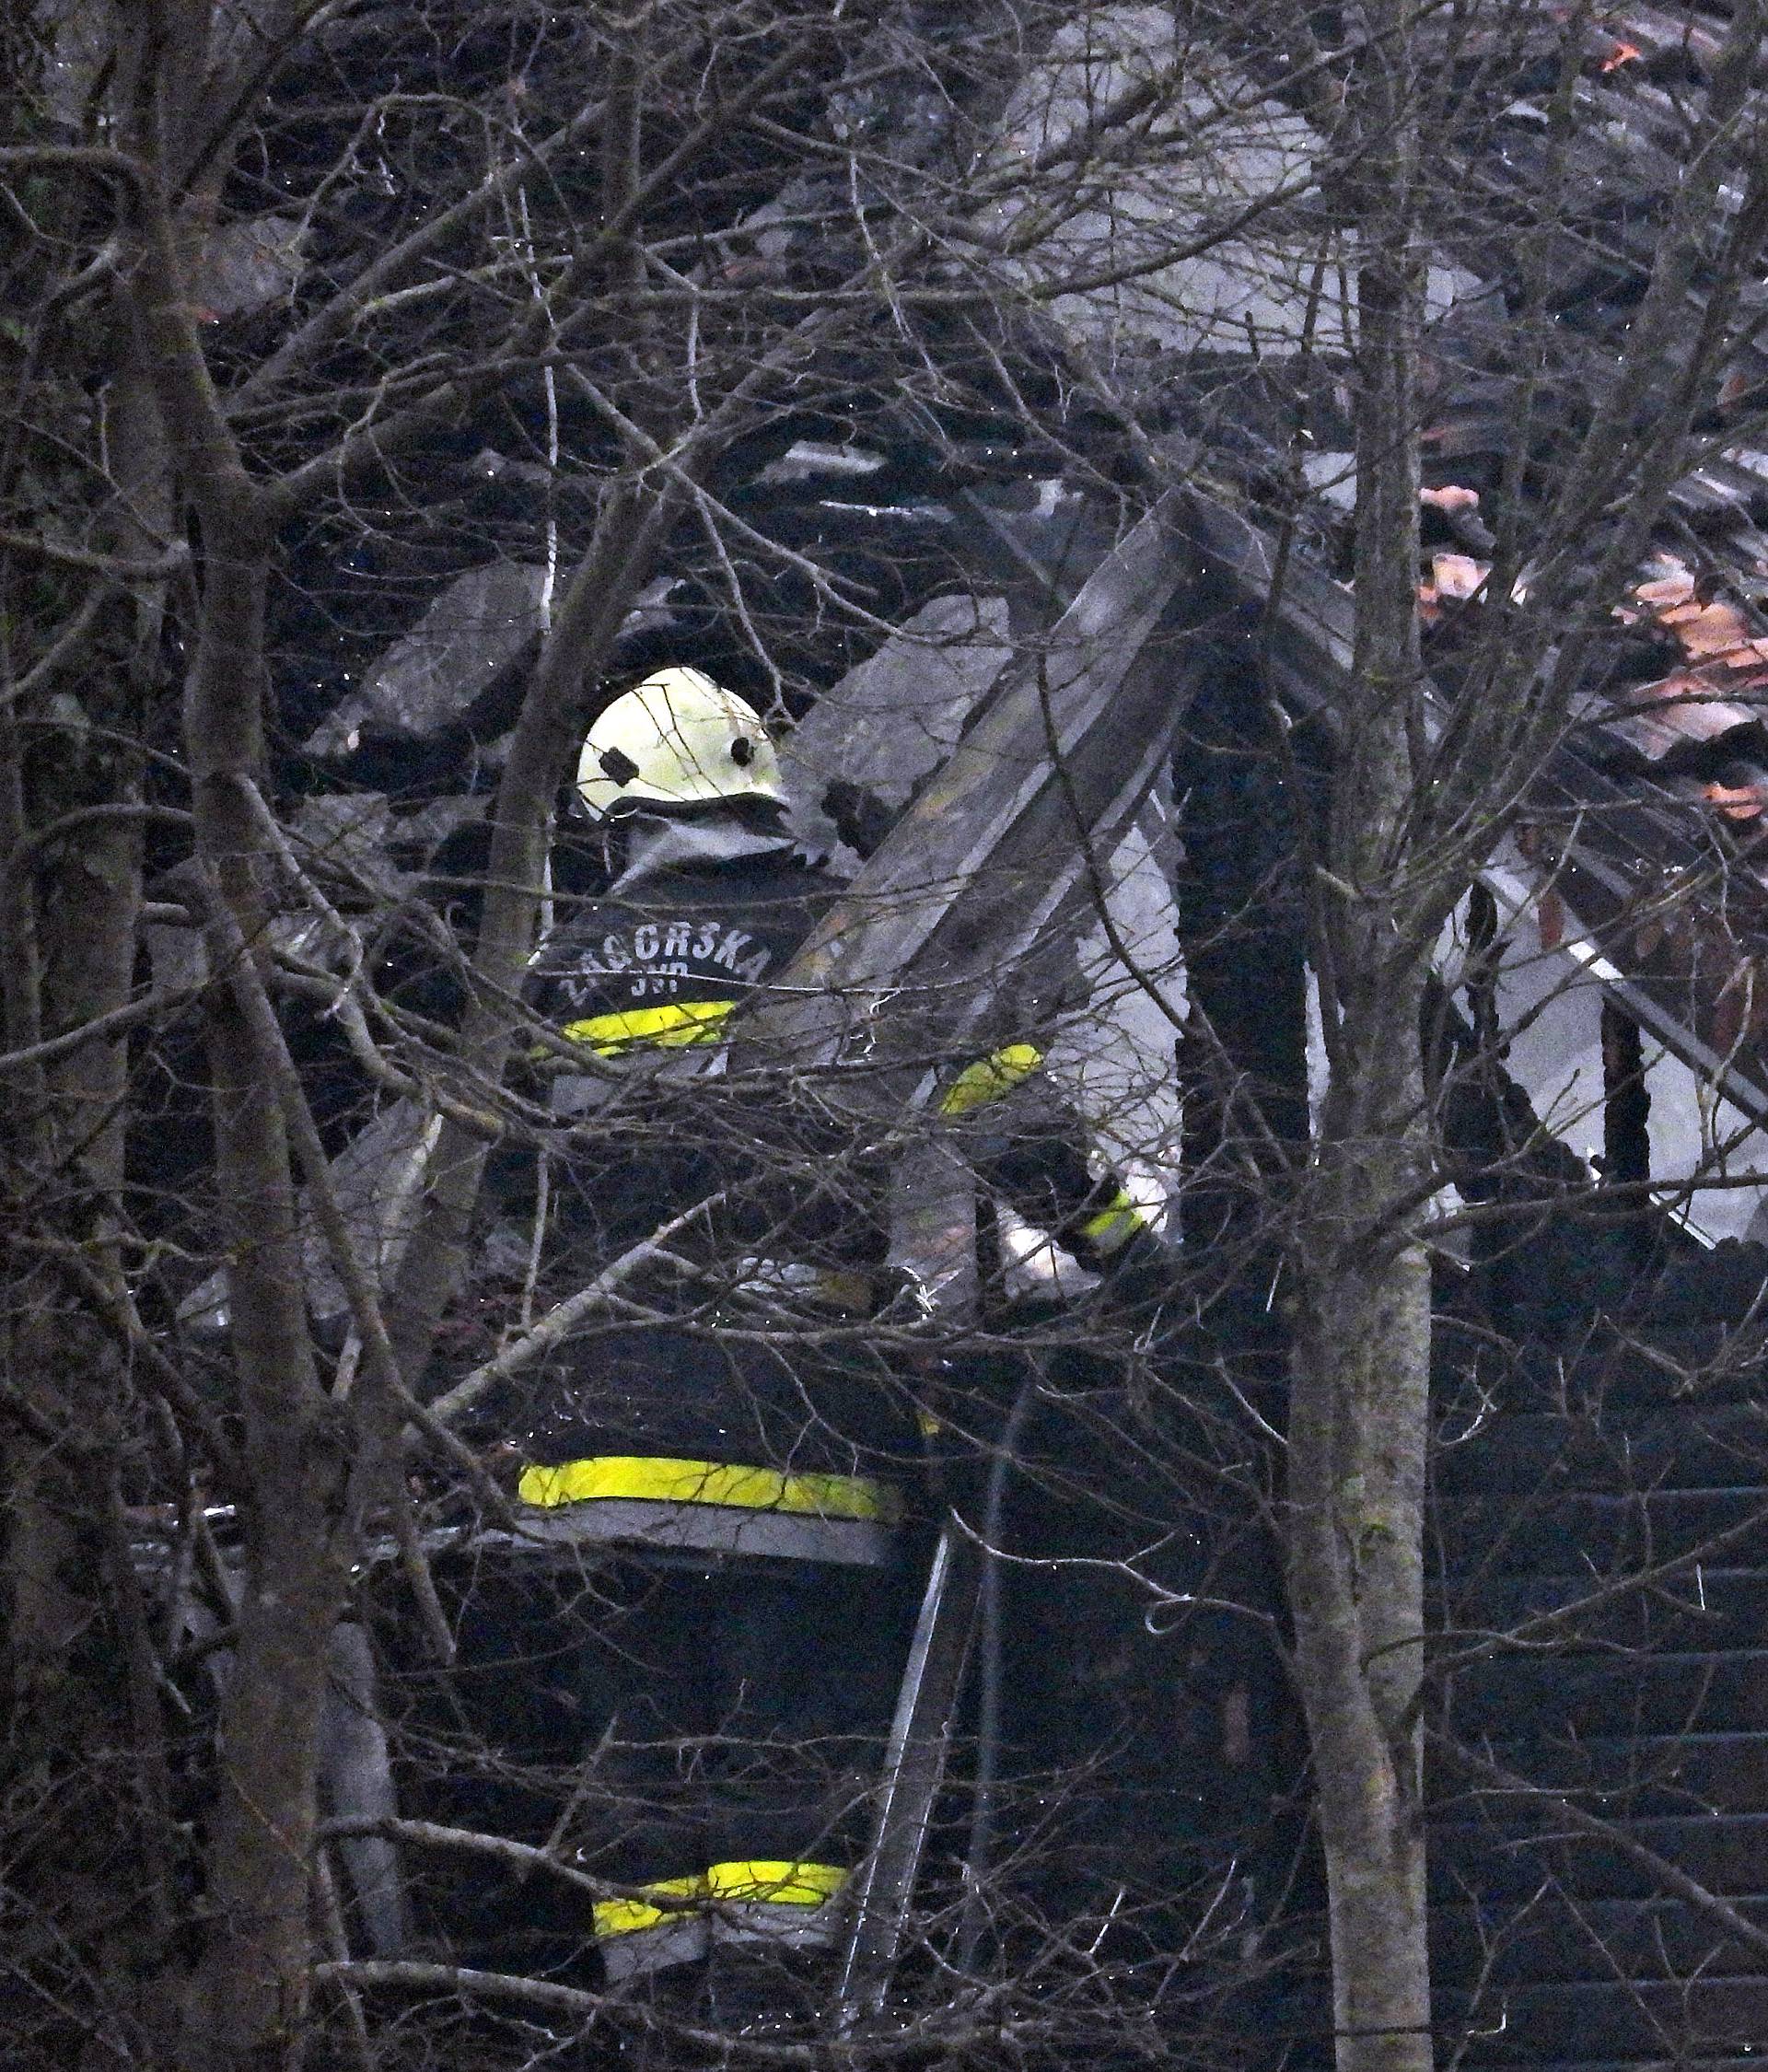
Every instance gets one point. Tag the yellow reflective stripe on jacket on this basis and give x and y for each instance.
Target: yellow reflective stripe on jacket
(622, 1916)
(988, 1078)
(668, 1481)
(781, 1884)
(721, 1884)
(669, 1026)
(1114, 1224)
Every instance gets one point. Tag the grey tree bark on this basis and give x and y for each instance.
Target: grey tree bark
(247, 2006)
(1359, 1420)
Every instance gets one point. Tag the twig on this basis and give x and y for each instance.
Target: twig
(100, 1029)
(564, 1316)
(1612, 1836)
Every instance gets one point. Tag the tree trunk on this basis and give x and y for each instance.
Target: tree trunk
(614, 566)
(1357, 1428)
(298, 1449)
(81, 1725)
(1359, 1420)
(249, 2007)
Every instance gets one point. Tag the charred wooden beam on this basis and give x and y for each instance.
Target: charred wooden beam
(985, 882)
(1696, 1005)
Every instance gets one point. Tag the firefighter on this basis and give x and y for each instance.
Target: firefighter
(743, 1427)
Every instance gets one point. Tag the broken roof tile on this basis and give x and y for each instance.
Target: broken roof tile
(1704, 700)
(1740, 802)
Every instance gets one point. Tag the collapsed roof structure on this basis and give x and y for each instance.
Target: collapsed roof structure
(1635, 876)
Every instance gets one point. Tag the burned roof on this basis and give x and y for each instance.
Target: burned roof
(1650, 812)
(1215, 333)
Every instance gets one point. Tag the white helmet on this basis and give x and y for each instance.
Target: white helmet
(677, 740)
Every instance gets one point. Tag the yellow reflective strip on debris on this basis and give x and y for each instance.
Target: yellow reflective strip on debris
(670, 1026)
(720, 1885)
(665, 1481)
(1113, 1226)
(988, 1078)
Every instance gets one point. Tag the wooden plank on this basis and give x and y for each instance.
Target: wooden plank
(889, 724)
(356, 1777)
(1559, 1939)
(1311, 628)
(1603, 1692)
(997, 859)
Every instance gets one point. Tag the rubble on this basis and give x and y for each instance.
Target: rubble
(479, 628)
(892, 721)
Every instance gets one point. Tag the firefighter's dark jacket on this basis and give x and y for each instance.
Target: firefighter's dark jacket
(645, 980)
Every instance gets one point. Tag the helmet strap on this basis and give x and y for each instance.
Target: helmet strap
(682, 841)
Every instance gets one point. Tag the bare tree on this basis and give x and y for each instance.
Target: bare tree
(320, 304)
(193, 168)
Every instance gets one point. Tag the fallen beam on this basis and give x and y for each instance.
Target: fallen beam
(984, 884)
